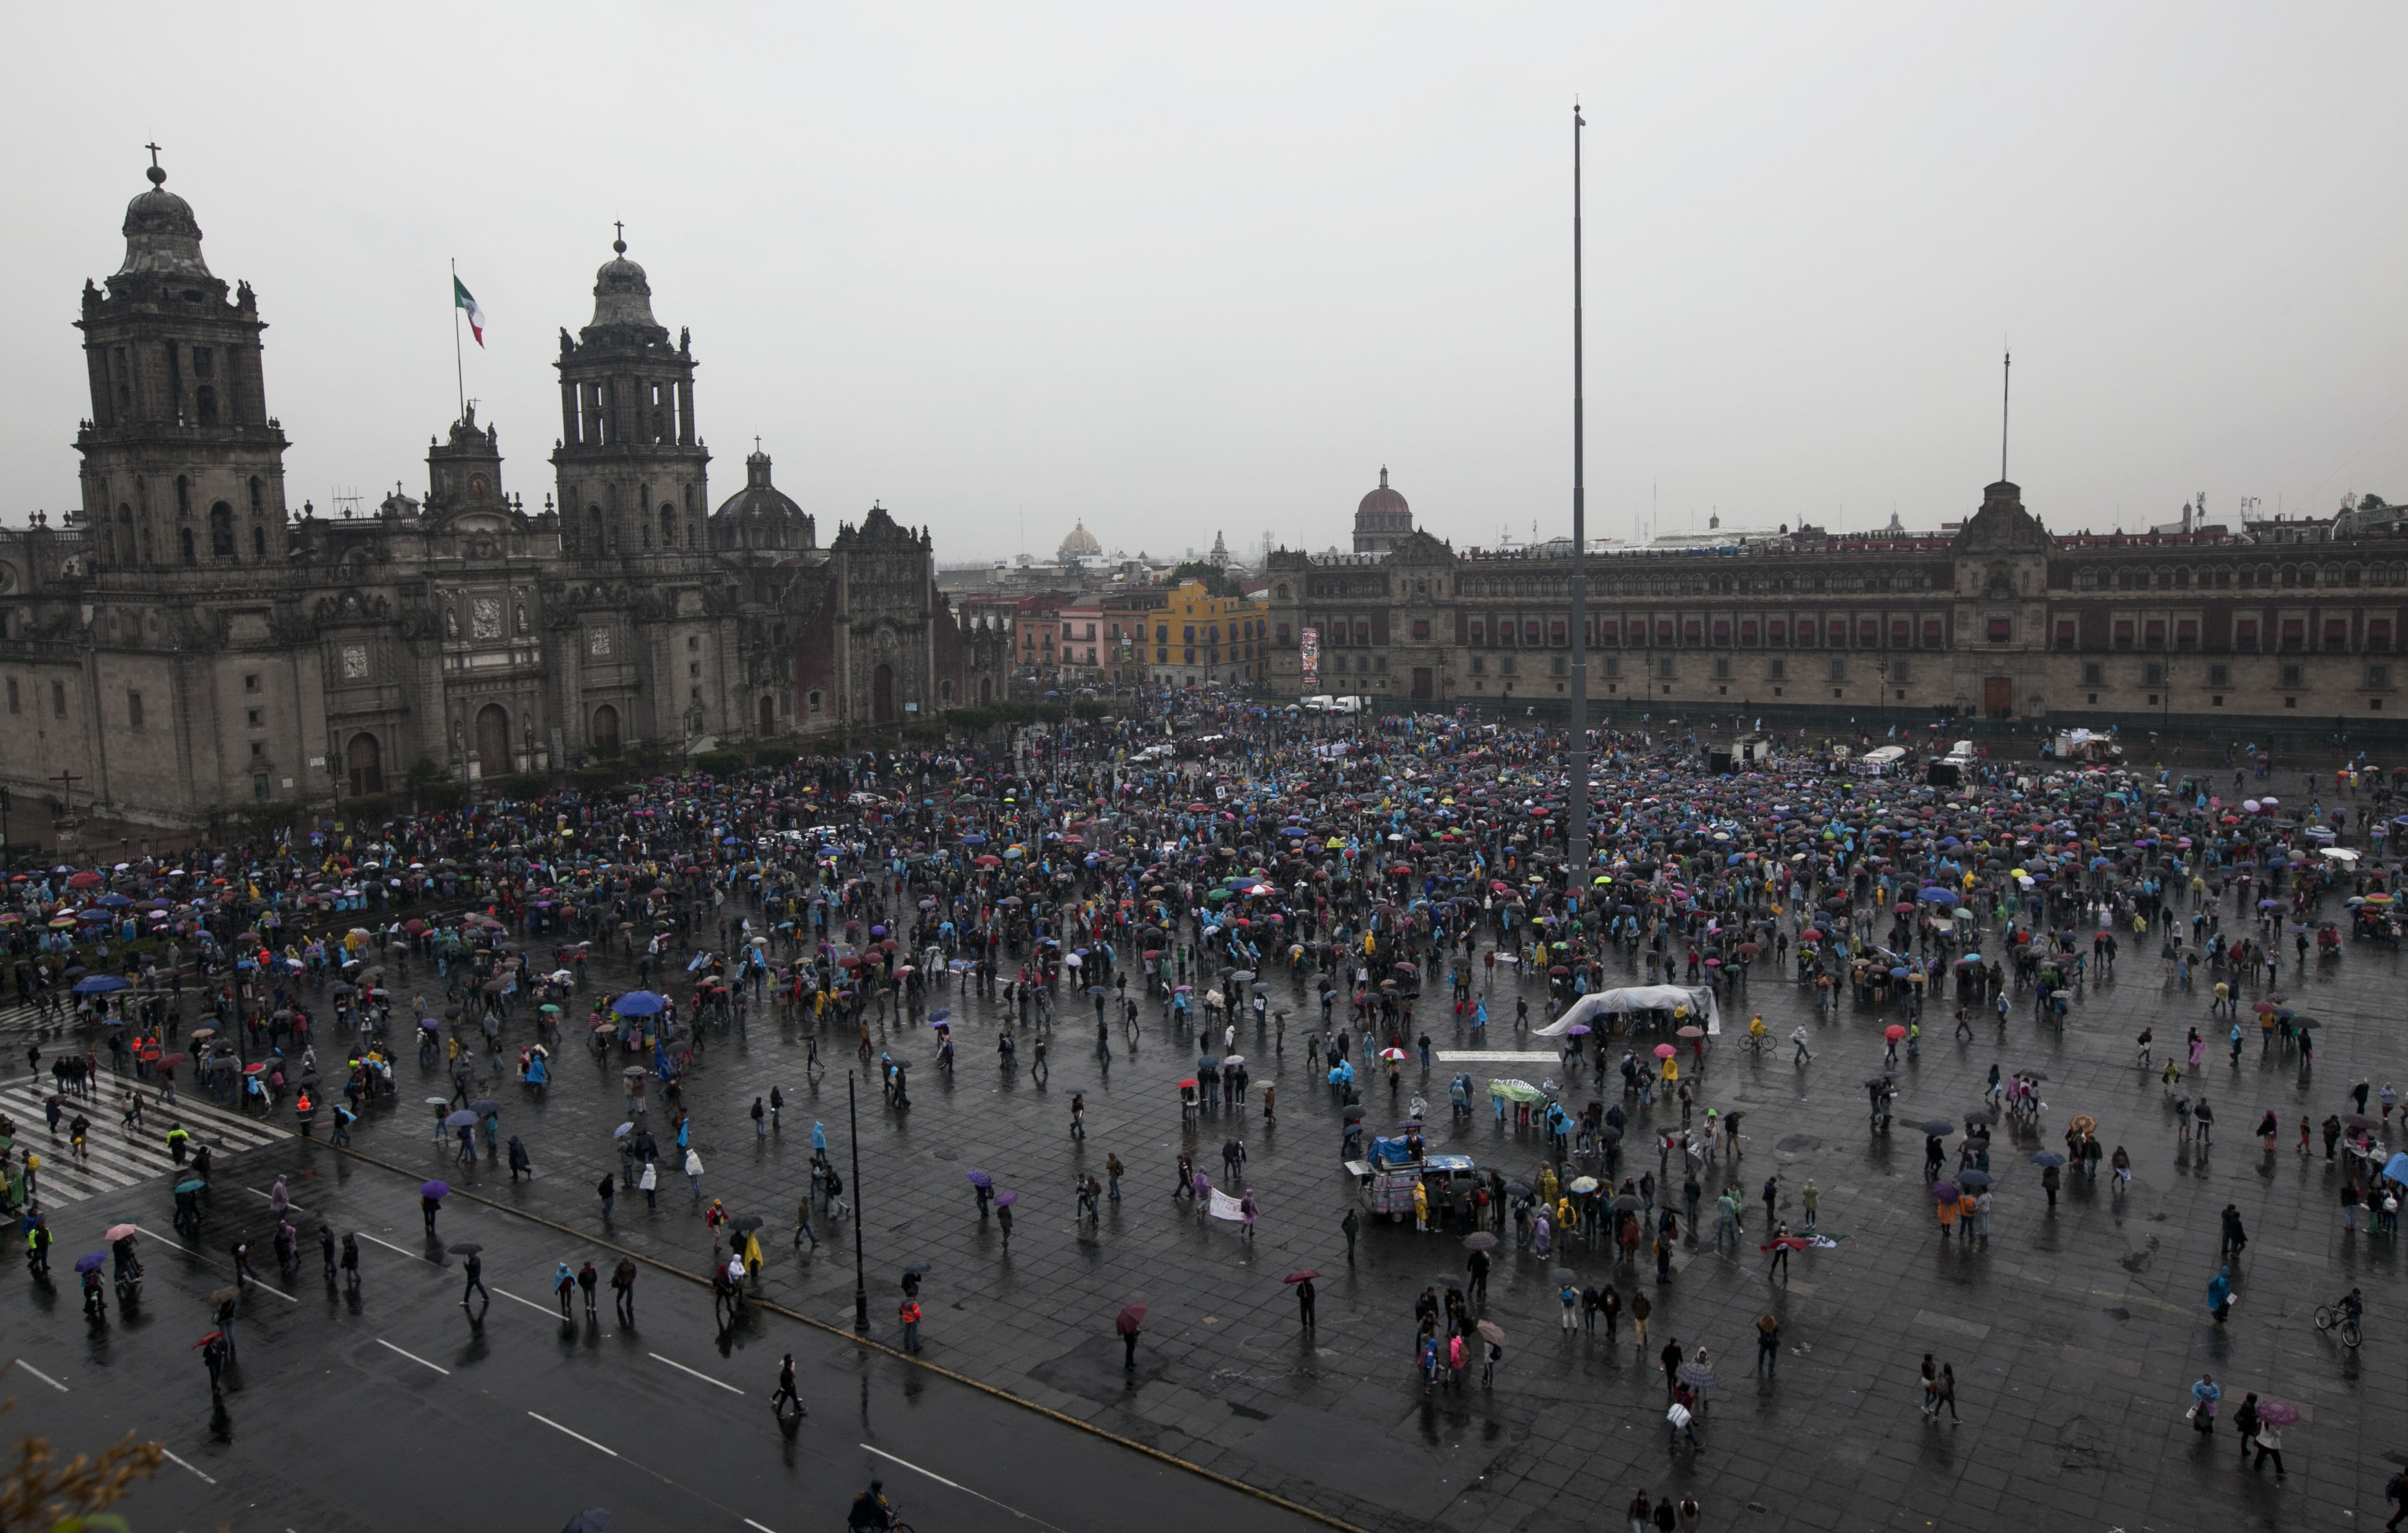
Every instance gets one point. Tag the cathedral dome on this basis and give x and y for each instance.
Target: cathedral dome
(760, 515)
(1382, 502)
(621, 296)
(1080, 544)
(161, 235)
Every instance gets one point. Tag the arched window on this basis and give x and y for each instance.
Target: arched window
(183, 495)
(768, 716)
(222, 531)
(606, 731)
(593, 528)
(125, 532)
(258, 496)
(205, 406)
(259, 542)
(668, 526)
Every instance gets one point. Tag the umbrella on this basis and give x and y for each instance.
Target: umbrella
(2083, 1123)
(639, 1003)
(466, 1247)
(2047, 1158)
(1130, 1319)
(979, 1178)
(1976, 1180)
(1482, 1241)
(2359, 1121)
(623, 1131)
(118, 1232)
(434, 1189)
(635, 1072)
(460, 1120)
(1353, 1115)
(746, 1224)
(1006, 1199)
(1893, 1032)
(1938, 1127)
(591, 1520)
(439, 1101)
(483, 1106)
(1697, 1375)
(223, 1296)
(1946, 1192)
(1306, 1276)
(194, 1185)
(2278, 1413)
(1492, 1332)
(918, 1270)
(1665, 1051)
(1690, 1032)
(1787, 1242)
(1448, 1279)
(92, 1261)
(1583, 1184)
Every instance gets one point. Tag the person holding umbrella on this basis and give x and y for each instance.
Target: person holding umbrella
(1131, 1319)
(1302, 1284)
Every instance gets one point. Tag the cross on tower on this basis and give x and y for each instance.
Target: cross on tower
(154, 155)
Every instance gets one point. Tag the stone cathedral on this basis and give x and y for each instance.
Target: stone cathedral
(184, 642)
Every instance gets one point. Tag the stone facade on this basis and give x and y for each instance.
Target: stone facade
(2001, 621)
(185, 644)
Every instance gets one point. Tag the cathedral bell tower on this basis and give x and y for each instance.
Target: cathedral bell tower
(630, 463)
(182, 465)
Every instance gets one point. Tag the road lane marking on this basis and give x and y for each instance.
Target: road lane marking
(253, 1286)
(45, 1377)
(704, 1377)
(413, 1358)
(578, 1435)
(271, 1198)
(398, 1251)
(957, 1485)
(181, 1463)
(764, 1528)
(528, 1302)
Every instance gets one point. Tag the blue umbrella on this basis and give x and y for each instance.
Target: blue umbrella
(92, 1261)
(940, 1013)
(2396, 1168)
(98, 984)
(2047, 1158)
(639, 1003)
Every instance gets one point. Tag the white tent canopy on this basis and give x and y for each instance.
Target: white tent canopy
(1699, 999)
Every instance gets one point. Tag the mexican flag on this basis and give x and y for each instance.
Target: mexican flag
(462, 298)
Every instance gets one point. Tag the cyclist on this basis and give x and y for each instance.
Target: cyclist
(2353, 1308)
(870, 1509)
(1757, 1036)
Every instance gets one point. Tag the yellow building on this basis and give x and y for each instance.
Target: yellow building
(1201, 638)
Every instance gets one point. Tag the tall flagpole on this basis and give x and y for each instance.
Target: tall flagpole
(2006, 388)
(1576, 841)
(458, 370)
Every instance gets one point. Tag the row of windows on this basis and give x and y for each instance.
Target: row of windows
(1250, 628)
(2290, 675)
(2247, 577)
(58, 698)
(1720, 633)
(2248, 634)
(1664, 668)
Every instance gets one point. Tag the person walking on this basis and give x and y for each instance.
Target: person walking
(1304, 1302)
(785, 1394)
(694, 1172)
(622, 1292)
(760, 1119)
(2269, 1445)
(1767, 1345)
(1947, 1394)
(909, 1312)
(473, 1268)
(803, 1230)
(2245, 1423)
(607, 1191)
(563, 1288)
(1352, 1223)
(352, 1264)
(650, 1183)
(1671, 1357)
(588, 1280)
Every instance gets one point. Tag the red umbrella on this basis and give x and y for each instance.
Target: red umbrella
(1131, 1318)
(1893, 1032)
(1786, 1242)
(1292, 1277)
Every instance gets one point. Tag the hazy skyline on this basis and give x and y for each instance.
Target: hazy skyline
(1181, 274)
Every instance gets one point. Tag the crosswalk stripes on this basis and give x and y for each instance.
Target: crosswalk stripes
(115, 1157)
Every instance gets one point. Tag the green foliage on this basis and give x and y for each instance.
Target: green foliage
(1210, 576)
(720, 762)
(425, 769)
(595, 779)
(775, 755)
(1088, 707)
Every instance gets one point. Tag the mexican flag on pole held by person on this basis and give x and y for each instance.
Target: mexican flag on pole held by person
(462, 298)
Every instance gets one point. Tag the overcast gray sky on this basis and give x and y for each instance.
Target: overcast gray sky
(1175, 270)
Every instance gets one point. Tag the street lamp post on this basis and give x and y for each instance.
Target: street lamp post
(860, 1276)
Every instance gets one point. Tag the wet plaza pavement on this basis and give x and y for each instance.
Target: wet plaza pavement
(2073, 1336)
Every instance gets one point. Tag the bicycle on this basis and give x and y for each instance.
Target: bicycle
(2330, 1318)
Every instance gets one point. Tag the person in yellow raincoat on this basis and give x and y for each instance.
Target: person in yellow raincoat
(1421, 1205)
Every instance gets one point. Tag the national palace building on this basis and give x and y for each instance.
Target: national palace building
(184, 642)
(2288, 623)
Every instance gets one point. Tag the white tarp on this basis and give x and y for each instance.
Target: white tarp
(1640, 998)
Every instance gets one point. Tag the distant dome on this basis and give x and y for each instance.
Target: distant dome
(1382, 502)
(161, 235)
(1080, 544)
(621, 296)
(760, 515)
(1382, 518)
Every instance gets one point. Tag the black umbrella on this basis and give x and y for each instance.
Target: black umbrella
(746, 1224)
(466, 1247)
(484, 1105)
(1564, 1274)
(919, 1269)
(1973, 1178)
(1938, 1127)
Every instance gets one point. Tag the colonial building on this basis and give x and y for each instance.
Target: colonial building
(1199, 637)
(2002, 620)
(185, 643)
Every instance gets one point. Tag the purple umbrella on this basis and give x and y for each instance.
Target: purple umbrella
(2278, 1413)
(980, 1178)
(434, 1189)
(1006, 1200)
(1945, 1192)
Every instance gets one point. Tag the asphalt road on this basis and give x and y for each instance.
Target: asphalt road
(515, 1418)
